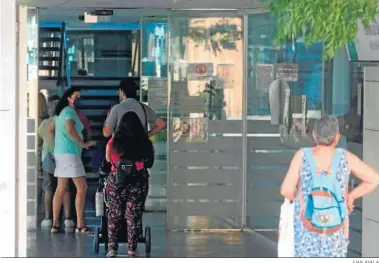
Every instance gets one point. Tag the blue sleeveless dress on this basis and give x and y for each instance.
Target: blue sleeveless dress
(311, 244)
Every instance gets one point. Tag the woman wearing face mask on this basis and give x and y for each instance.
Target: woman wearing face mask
(67, 154)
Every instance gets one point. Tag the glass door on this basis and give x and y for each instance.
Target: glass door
(205, 121)
(284, 98)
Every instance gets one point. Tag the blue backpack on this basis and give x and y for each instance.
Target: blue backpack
(325, 209)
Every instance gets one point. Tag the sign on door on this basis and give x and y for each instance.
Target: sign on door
(199, 71)
(287, 72)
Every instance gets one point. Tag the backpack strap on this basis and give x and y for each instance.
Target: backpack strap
(313, 166)
(307, 153)
(311, 161)
(338, 155)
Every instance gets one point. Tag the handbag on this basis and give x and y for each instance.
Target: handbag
(286, 242)
(127, 172)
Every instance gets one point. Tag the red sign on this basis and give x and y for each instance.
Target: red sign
(201, 69)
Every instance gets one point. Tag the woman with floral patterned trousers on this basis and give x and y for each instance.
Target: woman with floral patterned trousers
(127, 201)
(124, 202)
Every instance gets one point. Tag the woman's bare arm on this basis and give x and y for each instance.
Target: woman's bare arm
(70, 126)
(51, 126)
(368, 176)
(108, 150)
(291, 180)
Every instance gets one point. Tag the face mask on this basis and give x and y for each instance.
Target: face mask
(77, 102)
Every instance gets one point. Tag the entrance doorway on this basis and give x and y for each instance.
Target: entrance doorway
(205, 147)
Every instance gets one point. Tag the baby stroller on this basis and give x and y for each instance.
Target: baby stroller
(101, 233)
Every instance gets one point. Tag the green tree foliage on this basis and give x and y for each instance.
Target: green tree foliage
(216, 37)
(333, 22)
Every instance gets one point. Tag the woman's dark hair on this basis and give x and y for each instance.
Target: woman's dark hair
(131, 140)
(63, 102)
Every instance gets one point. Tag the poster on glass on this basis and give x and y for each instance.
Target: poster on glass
(190, 130)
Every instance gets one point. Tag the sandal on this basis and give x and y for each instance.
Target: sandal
(55, 229)
(111, 253)
(82, 230)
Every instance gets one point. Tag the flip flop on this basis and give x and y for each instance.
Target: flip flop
(82, 230)
(55, 229)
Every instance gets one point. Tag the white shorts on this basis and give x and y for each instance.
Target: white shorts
(68, 166)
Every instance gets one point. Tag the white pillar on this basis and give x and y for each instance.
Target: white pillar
(8, 132)
(21, 143)
(370, 212)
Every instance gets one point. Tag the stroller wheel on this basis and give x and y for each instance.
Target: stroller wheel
(148, 240)
(96, 240)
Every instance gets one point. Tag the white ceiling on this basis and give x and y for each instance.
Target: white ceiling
(129, 10)
(165, 4)
(71, 15)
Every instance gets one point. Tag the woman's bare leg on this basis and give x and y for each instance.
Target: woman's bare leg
(67, 205)
(58, 199)
(81, 192)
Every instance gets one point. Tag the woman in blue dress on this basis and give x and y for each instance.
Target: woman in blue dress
(297, 186)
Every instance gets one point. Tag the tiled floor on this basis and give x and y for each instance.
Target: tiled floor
(164, 243)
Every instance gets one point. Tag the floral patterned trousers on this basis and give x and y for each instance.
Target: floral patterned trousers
(125, 202)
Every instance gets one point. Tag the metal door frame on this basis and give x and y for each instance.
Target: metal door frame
(159, 18)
